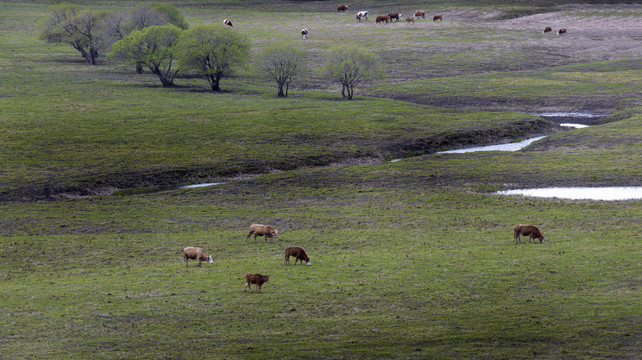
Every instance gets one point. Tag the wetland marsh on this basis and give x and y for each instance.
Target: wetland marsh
(410, 259)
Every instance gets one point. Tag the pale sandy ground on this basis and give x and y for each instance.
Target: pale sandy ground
(594, 33)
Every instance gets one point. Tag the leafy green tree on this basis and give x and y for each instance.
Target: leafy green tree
(171, 13)
(82, 30)
(351, 66)
(154, 47)
(120, 24)
(283, 64)
(213, 51)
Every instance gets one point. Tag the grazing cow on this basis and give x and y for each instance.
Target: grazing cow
(547, 29)
(527, 230)
(262, 230)
(437, 17)
(341, 8)
(256, 279)
(304, 32)
(298, 253)
(196, 253)
(395, 16)
(561, 31)
(410, 19)
(382, 18)
(228, 23)
(362, 15)
(420, 14)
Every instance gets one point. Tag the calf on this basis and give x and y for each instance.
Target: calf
(437, 17)
(196, 253)
(561, 31)
(341, 8)
(395, 16)
(256, 279)
(410, 19)
(527, 230)
(262, 230)
(304, 32)
(298, 253)
(382, 18)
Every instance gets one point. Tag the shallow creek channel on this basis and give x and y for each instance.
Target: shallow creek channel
(568, 119)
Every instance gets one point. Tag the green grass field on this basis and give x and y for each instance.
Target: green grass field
(410, 259)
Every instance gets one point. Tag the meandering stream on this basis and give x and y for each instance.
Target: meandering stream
(589, 193)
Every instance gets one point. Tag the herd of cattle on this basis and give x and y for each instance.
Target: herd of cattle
(267, 231)
(363, 15)
(386, 19)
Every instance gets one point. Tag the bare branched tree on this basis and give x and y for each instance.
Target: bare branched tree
(84, 31)
(283, 64)
(351, 66)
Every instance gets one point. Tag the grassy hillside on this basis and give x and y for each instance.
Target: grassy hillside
(410, 259)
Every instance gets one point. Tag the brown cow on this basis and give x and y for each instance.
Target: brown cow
(420, 14)
(298, 253)
(437, 17)
(395, 16)
(410, 19)
(196, 253)
(547, 29)
(266, 231)
(256, 279)
(527, 230)
(382, 18)
(561, 31)
(341, 8)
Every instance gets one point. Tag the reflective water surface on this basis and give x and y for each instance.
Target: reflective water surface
(198, 185)
(500, 147)
(581, 193)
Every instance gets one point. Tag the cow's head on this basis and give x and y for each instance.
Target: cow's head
(309, 262)
(274, 232)
(210, 260)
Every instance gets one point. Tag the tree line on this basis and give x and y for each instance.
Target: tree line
(157, 37)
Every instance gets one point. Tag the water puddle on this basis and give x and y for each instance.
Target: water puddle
(568, 115)
(577, 118)
(576, 126)
(200, 185)
(581, 193)
(500, 147)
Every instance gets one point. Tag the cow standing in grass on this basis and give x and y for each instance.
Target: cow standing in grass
(256, 279)
(298, 253)
(196, 253)
(266, 231)
(527, 230)
(382, 18)
(362, 15)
